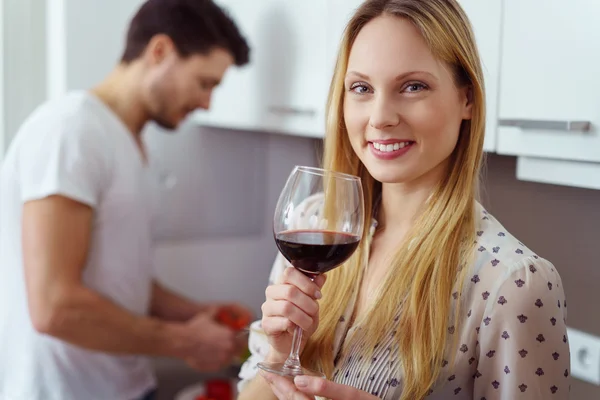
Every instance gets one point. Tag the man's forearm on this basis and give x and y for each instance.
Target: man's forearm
(86, 319)
(170, 306)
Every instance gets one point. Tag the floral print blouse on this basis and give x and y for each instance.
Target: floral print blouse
(512, 333)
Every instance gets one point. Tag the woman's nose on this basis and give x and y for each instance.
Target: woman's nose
(383, 114)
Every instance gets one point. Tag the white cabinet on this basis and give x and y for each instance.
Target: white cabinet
(284, 87)
(559, 172)
(550, 90)
(339, 14)
(486, 19)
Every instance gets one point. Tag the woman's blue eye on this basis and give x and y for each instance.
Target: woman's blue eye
(415, 87)
(359, 88)
(362, 88)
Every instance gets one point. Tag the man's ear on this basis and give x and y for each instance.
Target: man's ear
(158, 48)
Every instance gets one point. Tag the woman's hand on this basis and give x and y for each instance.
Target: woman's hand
(307, 387)
(290, 302)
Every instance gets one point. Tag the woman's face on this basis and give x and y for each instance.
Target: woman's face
(402, 108)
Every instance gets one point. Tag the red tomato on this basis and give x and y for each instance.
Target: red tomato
(233, 318)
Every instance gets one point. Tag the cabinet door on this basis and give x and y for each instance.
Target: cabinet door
(338, 15)
(559, 172)
(550, 90)
(284, 88)
(486, 19)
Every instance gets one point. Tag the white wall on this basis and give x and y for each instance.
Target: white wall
(84, 40)
(23, 63)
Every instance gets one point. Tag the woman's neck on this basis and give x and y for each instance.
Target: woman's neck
(399, 207)
(401, 203)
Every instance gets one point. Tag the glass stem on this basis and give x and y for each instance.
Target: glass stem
(293, 360)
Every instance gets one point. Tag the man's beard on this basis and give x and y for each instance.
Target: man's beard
(159, 113)
(164, 123)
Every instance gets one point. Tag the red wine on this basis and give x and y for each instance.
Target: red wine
(316, 252)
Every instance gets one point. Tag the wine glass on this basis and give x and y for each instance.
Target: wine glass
(317, 226)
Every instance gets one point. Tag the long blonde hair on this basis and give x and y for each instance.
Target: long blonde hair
(425, 273)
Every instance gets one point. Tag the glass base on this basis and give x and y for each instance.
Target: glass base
(290, 372)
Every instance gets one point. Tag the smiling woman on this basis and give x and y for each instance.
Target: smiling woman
(439, 301)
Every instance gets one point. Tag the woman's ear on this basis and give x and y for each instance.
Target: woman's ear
(467, 102)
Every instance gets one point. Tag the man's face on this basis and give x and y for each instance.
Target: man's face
(174, 86)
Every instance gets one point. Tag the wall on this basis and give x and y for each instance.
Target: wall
(561, 224)
(22, 70)
(233, 268)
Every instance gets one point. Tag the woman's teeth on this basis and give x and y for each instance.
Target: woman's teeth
(390, 147)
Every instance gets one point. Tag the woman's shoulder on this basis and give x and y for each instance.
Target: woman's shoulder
(501, 257)
(509, 282)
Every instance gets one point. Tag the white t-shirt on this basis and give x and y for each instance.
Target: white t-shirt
(76, 147)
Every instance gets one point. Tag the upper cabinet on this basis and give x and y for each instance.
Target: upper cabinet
(559, 172)
(339, 14)
(486, 19)
(550, 89)
(284, 87)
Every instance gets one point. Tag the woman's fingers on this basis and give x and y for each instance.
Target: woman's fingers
(294, 277)
(283, 308)
(294, 295)
(274, 326)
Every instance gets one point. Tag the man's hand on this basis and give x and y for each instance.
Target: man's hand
(234, 315)
(209, 346)
(307, 387)
(171, 306)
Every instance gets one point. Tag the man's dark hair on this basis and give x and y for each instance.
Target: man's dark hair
(194, 26)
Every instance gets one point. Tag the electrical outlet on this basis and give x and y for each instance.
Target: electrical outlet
(585, 356)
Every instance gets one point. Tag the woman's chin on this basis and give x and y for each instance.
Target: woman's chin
(389, 176)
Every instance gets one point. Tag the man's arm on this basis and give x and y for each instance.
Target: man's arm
(170, 306)
(56, 236)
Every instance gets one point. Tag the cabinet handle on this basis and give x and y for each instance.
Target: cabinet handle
(281, 110)
(572, 126)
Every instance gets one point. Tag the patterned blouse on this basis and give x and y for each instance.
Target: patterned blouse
(512, 332)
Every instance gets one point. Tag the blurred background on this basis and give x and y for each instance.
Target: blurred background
(224, 169)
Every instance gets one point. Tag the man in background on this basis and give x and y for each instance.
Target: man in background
(80, 309)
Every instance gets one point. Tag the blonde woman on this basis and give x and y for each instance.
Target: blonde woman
(439, 301)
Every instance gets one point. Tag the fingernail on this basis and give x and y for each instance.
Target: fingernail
(318, 294)
(301, 381)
